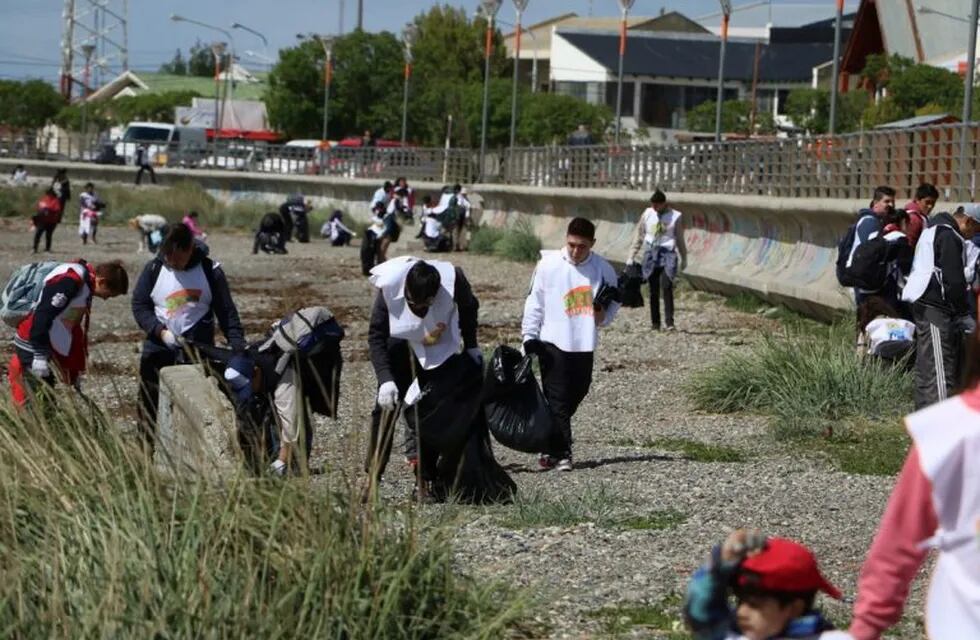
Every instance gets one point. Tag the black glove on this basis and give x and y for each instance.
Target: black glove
(607, 295)
(533, 347)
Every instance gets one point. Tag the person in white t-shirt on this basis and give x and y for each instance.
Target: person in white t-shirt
(573, 293)
(659, 248)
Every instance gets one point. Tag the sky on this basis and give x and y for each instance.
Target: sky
(30, 30)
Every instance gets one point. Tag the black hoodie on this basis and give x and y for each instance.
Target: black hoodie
(949, 294)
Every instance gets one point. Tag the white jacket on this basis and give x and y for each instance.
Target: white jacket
(559, 308)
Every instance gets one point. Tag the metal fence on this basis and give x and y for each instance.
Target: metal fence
(847, 166)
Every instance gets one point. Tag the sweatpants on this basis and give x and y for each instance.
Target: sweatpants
(565, 381)
(149, 394)
(939, 348)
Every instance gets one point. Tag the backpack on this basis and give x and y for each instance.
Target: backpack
(23, 290)
(848, 276)
(450, 217)
(869, 265)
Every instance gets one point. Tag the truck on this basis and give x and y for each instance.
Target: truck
(167, 144)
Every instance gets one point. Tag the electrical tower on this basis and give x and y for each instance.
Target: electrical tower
(94, 44)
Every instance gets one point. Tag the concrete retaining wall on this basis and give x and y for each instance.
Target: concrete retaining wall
(780, 249)
(196, 425)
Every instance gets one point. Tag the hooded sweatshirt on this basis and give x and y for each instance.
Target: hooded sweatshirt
(937, 278)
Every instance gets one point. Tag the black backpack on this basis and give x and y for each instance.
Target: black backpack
(869, 266)
(852, 276)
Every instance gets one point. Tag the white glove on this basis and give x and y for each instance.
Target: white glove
(171, 340)
(630, 262)
(39, 367)
(476, 354)
(388, 395)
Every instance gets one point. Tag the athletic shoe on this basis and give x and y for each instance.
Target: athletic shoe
(278, 468)
(546, 462)
(565, 464)
(670, 327)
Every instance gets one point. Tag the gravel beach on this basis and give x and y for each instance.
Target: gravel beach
(638, 517)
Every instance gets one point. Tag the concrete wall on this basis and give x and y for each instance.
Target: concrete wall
(780, 249)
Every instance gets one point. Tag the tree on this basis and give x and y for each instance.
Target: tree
(177, 65)
(151, 107)
(28, 105)
(201, 60)
(734, 117)
(546, 118)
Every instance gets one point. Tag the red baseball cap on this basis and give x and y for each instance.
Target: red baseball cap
(784, 565)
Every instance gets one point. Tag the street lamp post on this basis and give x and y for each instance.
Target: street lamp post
(87, 51)
(265, 41)
(625, 6)
(835, 79)
(726, 11)
(218, 51)
(327, 43)
(489, 9)
(519, 7)
(408, 38)
(218, 117)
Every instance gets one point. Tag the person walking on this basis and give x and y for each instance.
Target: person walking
(145, 163)
(938, 292)
(51, 344)
(935, 505)
(659, 248)
(568, 302)
(46, 218)
(424, 316)
(176, 300)
(61, 186)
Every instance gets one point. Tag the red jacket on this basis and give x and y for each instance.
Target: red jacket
(48, 210)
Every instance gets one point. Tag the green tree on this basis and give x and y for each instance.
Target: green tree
(919, 85)
(28, 105)
(547, 118)
(177, 65)
(734, 117)
(150, 107)
(200, 62)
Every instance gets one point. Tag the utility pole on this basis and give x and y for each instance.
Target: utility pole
(835, 80)
(489, 9)
(104, 24)
(971, 69)
(408, 39)
(726, 10)
(360, 15)
(519, 6)
(625, 6)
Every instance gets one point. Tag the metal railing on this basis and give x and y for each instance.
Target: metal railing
(846, 166)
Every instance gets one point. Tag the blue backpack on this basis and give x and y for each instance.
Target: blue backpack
(23, 290)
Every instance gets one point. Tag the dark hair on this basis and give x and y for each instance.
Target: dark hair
(784, 598)
(873, 307)
(881, 192)
(401, 191)
(89, 185)
(658, 197)
(582, 228)
(192, 214)
(457, 188)
(895, 216)
(387, 185)
(422, 281)
(400, 178)
(337, 214)
(427, 199)
(179, 238)
(926, 190)
(115, 276)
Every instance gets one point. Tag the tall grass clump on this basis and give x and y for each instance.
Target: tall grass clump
(518, 243)
(94, 543)
(817, 390)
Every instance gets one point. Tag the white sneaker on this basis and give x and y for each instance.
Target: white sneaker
(565, 464)
(277, 468)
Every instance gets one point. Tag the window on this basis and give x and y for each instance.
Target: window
(628, 87)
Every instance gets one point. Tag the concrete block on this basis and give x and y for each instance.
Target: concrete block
(195, 425)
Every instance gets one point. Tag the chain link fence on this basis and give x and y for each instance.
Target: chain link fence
(847, 166)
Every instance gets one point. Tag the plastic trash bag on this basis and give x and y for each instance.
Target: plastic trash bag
(517, 412)
(630, 286)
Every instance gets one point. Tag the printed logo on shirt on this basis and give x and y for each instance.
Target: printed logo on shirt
(180, 299)
(578, 301)
(71, 317)
(59, 300)
(435, 335)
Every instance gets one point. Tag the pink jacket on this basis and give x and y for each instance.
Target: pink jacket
(192, 225)
(895, 557)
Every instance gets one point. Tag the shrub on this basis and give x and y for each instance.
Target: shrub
(518, 243)
(94, 543)
(484, 239)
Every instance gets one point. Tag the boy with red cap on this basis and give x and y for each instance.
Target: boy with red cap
(775, 582)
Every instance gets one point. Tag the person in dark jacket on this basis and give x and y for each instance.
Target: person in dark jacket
(424, 314)
(62, 187)
(938, 292)
(177, 298)
(294, 216)
(869, 225)
(144, 162)
(270, 237)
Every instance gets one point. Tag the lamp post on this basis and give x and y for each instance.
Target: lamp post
(327, 43)
(409, 34)
(218, 118)
(835, 80)
(218, 51)
(265, 41)
(726, 14)
(489, 9)
(87, 51)
(519, 7)
(624, 6)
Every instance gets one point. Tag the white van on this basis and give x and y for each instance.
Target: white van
(167, 144)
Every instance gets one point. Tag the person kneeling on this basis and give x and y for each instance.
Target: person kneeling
(271, 236)
(775, 583)
(433, 236)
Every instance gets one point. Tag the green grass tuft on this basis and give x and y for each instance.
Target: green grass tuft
(518, 243)
(662, 618)
(533, 510)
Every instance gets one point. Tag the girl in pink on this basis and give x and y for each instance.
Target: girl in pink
(934, 505)
(191, 221)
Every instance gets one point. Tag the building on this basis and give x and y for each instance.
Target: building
(246, 85)
(933, 32)
(534, 67)
(757, 20)
(668, 74)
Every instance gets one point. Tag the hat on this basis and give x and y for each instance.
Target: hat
(784, 565)
(971, 210)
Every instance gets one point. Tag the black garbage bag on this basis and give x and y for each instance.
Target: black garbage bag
(517, 412)
(631, 286)
(453, 436)
(320, 373)
(369, 252)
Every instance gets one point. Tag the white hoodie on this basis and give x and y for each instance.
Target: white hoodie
(559, 308)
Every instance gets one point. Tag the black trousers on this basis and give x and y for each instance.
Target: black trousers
(46, 230)
(658, 280)
(383, 422)
(149, 392)
(146, 167)
(939, 348)
(565, 381)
